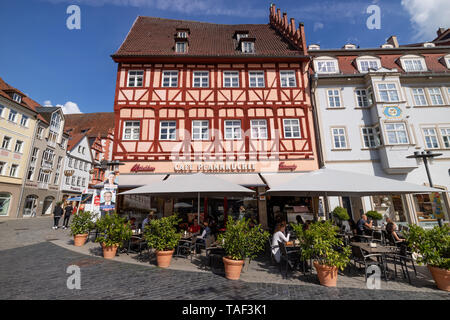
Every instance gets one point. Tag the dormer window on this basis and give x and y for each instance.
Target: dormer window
(181, 47)
(387, 46)
(413, 63)
(429, 45)
(368, 63)
(182, 34)
(17, 98)
(248, 47)
(240, 34)
(314, 47)
(349, 46)
(447, 61)
(326, 65)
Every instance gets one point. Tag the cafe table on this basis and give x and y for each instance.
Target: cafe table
(378, 249)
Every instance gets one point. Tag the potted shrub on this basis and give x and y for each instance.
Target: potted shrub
(374, 215)
(161, 234)
(80, 227)
(433, 249)
(320, 242)
(113, 231)
(340, 214)
(240, 241)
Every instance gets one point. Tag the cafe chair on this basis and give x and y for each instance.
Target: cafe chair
(287, 258)
(187, 247)
(367, 260)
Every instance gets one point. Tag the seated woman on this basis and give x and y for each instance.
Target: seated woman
(278, 236)
(201, 241)
(194, 227)
(390, 229)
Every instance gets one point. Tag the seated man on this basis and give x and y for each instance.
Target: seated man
(201, 241)
(362, 225)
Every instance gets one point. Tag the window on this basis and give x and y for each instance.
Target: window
(34, 155)
(182, 34)
(12, 115)
(231, 79)
(232, 129)
(55, 181)
(435, 96)
(291, 128)
(201, 79)
(396, 133)
(413, 65)
(256, 79)
(447, 61)
(24, 121)
(2, 167)
(431, 141)
(326, 67)
(131, 130)
(67, 180)
(17, 98)
(371, 137)
(78, 181)
(70, 162)
(6, 142)
(55, 122)
(170, 79)
(259, 129)
(181, 47)
(63, 143)
(75, 164)
(40, 133)
(419, 97)
(241, 35)
(334, 99)
(200, 130)
(80, 165)
(135, 78)
(86, 167)
(83, 183)
(13, 172)
(445, 133)
(1, 110)
(361, 97)
(388, 92)
(365, 65)
(339, 138)
(19, 146)
(59, 163)
(248, 47)
(5, 199)
(167, 130)
(30, 173)
(73, 180)
(288, 79)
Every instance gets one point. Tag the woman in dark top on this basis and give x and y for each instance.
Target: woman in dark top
(390, 229)
(68, 208)
(57, 213)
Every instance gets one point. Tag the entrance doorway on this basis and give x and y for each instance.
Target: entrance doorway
(48, 205)
(30, 205)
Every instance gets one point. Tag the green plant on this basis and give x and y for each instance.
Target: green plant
(341, 213)
(433, 246)
(320, 242)
(113, 230)
(82, 223)
(241, 241)
(161, 234)
(375, 215)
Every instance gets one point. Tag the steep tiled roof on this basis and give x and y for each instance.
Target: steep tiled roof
(156, 37)
(74, 139)
(89, 124)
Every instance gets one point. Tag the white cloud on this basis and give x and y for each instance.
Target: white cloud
(427, 16)
(68, 108)
(318, 26)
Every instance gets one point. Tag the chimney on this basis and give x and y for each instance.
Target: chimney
(278, 16)
(440, 31)
(301, 27)
(285, 21)
(393, 40)
(292, 28)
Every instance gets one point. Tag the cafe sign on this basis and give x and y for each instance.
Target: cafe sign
(139, 168)
(215, 167)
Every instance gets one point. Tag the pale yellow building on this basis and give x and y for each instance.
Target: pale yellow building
(18, 118)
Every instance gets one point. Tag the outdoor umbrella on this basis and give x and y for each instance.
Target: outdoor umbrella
(191, 185)
(328, 182)
(75, 199)
(182, 205)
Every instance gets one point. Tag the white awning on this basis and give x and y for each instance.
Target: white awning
(138, 180)
(276, 179)
(242, 179)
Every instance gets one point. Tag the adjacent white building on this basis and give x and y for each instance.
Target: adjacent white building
(375, 107)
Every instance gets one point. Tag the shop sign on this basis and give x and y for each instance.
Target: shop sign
(216, 167)
(139, 168)
(283, 166)
(392, 112)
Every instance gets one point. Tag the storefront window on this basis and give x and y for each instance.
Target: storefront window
(390, 207)
(5, 199)
(429, 208)
(288, 208)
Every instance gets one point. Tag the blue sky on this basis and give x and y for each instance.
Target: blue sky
(52, 64)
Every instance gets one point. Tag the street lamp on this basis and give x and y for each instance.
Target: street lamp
(424, 155)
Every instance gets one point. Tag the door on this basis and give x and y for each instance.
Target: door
(48, 206)
(30, 204)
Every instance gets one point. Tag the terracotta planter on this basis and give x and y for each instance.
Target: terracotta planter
(163, 258)
(441, 277)
(109, 252)
(80, 239)
(233, 268)
(327, 275)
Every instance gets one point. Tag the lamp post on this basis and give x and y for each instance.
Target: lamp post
(424, 155)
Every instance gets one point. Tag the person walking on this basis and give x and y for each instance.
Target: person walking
(68, 208)
(57, 213)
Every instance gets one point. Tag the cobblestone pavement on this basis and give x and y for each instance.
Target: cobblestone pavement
(33, 264)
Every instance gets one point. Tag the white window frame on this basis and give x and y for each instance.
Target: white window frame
(388, 91)
(326, 66)
(241, 35)
(182, 34)
(434, 95)
(181, 46)
(172, 77)
(248, 47)
(256, 79)
(165, 128)
(292, 127)
(445, 135)
(40, 133)
(335, 93)
(2, 109)
(8, 144)
(372, 63)
(17, 98)
(288, 79)
(3, 166)
(232, 77)
(14, 170)
(371, 138)
(19, 143)
(202, 77)
(12, 113)
(232, 129)
(134, 77)
(431, 139)
(134, 128)
(419, 94)
(411, 64)
(56, 178)
(24, 121)
(258, 128)
(362, 98)
(343, 144)
(198, 130)
(396, 131)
